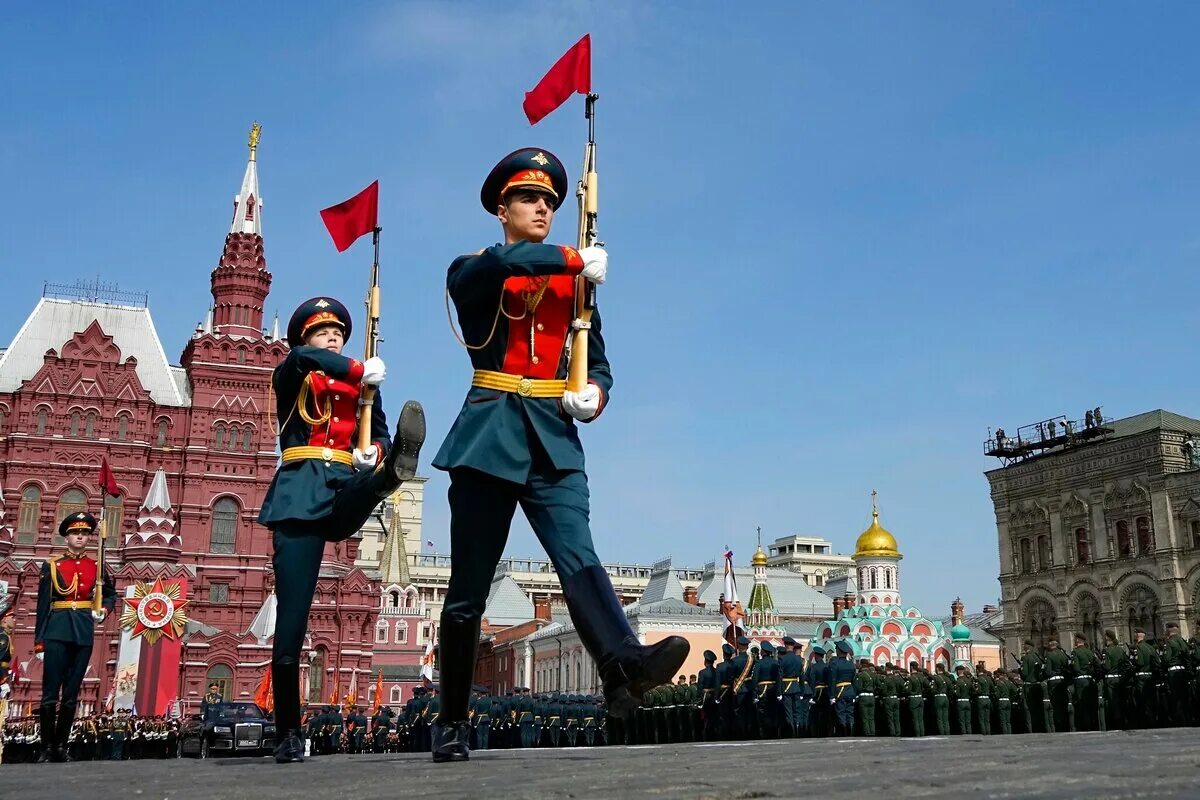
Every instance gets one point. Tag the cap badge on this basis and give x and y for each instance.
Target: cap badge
(322, 303)
(541, 159)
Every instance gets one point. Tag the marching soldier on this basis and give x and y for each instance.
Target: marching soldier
(709, 682)
(1055, 666)
(726, 703)
(516, 441)
(1145, 665)
(984, 689)
(791, 679)
(1031, 677)
(326, 486)
(867, 682)
(1085, 695)
(1175, 659)
(889, 687)
(843, 681)
(941, 686)
(766, 676)
(915, 687)
(963, 688)
(65, 629)
(1003, 690)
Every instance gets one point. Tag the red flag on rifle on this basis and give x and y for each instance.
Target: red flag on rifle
(107, 481)
(352, 218)
(571, 73)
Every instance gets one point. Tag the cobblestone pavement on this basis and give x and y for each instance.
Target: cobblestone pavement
(1157, 764)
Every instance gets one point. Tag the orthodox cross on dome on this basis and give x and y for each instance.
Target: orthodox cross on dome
(875, 504)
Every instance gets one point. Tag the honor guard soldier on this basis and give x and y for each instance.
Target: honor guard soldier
(1055, 666)
(984, 689)
(1003, 690)
(766, 676)
(1031, 678)
(516, 441)
(818, 703)
(867, 681)
(963, 687)
(709, 682)
(726, 705)
(1145, 665)
(941, 685)
(915, 687)
(791, 677)
(843, 682)
(325, 487)
(1085, 695)
(1175, 658)
(65, 629)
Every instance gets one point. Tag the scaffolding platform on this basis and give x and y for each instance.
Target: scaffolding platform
(1048, 434)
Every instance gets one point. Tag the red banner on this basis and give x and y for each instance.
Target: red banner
(159, 666)
(571, 73)
(351, 218)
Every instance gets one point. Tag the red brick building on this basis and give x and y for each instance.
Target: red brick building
(193, 449)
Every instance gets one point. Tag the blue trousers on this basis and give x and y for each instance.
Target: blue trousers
(556, 503)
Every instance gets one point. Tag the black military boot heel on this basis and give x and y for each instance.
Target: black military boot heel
(285, 675)
(47, 731)
(401, 462)
(62, 733)
(451, 742)
(628, 668)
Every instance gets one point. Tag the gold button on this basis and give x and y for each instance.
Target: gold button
(535, 359)
(539, 326)
(326, 453)
(337, 397)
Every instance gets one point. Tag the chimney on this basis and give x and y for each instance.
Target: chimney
(541, 608)
(691, 596)
(990, 609)
(838, 606)
(848, 599)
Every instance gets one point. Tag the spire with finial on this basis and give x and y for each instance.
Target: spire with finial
(247, 204)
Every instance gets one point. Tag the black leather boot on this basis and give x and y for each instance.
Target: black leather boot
(626, 666)
(458, 640)
(401, 462)
(47, 732)
(62, 732)
(290, 747)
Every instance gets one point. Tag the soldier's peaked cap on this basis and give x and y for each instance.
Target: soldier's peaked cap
(743, 641)
(845, 647)
(315, 312)
(790, 642)
(727, 649)
(709, 655)
(766, 647)
(528, 168)
(817, 650)
(76, 522)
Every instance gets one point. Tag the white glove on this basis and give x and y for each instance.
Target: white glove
(5, 690)
(100, 615)
(584, 404)
(364, 459)
(41, 656)
(374, 371)
(595, 264)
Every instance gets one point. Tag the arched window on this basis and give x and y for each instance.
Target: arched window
(69, 502)
(1044, 560)
(224, 526)
(887, 579)
(235, 433)
(160, 439)
(218, 436)
(1040, 621)
(247, 438)
(75, 418)
(122, 427)
(90, 425)
(1124, 541)
(223, 677)
(1141, 611)
(316, 675)
(394, 697)
(1087, 618)
(1195, 526)
(241, 355)
(1145, 536)
(381, 632)
(401, 632)
(114, 518)
(3, 417)
(42, 416)
(1083, 549)
(1026, 555)
(393, 599)
(29, 514)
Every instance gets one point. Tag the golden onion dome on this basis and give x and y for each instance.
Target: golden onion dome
(760, 558)
(876, 541)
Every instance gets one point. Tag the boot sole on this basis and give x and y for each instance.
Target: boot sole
(625, 700)
(410, 436)
(443, 758)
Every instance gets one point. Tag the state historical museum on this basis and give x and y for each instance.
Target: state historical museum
(193, 450)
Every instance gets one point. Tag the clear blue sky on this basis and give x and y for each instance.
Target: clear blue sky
(843, 242)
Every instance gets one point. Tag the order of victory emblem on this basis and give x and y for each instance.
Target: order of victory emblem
(155, 611)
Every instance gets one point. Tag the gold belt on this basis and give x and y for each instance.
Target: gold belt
(323, 453)
(525, 387)
(73, 604)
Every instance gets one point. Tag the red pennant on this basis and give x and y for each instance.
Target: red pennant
(108, 481)
(352, 218)
(571, 73)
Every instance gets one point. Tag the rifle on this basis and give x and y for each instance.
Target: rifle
(587, 193)
(98, 591)
(371, 345)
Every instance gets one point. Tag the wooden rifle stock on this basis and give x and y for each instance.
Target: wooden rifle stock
(367, 398)
(585, 291)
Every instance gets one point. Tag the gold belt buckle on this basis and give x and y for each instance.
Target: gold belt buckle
(327, 453)
(525, 387)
